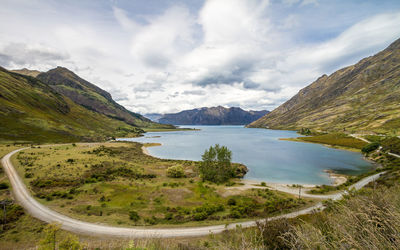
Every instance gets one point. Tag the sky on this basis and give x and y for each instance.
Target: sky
(161, 56)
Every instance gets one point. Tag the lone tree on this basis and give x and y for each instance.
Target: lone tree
(216, 165)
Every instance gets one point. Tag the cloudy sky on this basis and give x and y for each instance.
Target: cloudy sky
(169, 55)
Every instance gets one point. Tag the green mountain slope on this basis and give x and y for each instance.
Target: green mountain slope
(32, 111)
(92, 97)
(364, 97)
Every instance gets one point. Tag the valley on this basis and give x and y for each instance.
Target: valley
(196, 125)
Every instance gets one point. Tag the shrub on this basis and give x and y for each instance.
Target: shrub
(175, 172)
(168, 216)
(3, 185)
(370, 147)
(198, 216)
(28, 175)
(304, 131)
(231, 202)
(151, 221)
(263, 184)
(133, 215)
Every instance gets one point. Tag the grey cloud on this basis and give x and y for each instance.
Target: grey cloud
(21, 54)
(155, 60)
(194, 92)
(118, 95)
(229, 77)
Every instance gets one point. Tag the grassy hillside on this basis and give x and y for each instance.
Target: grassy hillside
(26, 72)
(32, 111)
(360, 98)
(92, 97)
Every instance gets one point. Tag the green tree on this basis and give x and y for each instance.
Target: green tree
(216, 165)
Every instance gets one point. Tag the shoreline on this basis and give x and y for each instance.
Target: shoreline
(336, 179)
(147, 145)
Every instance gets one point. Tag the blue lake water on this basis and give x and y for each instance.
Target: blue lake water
(268, 158)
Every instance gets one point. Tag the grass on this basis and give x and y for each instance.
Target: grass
(335, 139)
(106, 182)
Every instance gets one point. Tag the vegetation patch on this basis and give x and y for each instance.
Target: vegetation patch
(335, 139)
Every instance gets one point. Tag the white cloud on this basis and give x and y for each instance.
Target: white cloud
(226, 53)
(164, 38)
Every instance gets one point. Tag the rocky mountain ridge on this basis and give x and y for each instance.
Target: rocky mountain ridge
(212, 116)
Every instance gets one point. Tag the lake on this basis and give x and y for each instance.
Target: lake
(268, 158)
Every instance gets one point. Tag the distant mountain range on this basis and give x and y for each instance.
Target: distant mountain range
(361, 97)
(153, 116)
(209, 116)
(59, 106)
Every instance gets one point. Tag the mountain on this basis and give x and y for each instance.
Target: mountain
(32, 111)
(90, 96)
(364, 97)
(153, 116)
(212, 116)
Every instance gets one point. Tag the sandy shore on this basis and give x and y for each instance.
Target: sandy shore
(147, 145)
(337, 179)
(283, 187)
(145, 150)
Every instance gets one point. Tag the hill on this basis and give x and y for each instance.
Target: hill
(92, 97)
(212, 116)
(32, 111)
(360, 98)
(27, 72)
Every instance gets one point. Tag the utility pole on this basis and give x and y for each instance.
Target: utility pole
(299, 192)
(5, 203)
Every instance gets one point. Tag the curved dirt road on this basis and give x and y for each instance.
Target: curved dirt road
(43, 213)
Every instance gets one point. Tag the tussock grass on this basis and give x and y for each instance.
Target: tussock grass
(368, 220)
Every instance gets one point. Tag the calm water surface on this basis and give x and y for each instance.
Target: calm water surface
(268, 158)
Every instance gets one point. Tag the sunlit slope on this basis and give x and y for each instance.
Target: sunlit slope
(32, 111)
(361, 97)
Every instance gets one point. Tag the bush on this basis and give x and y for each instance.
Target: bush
(133, 215)
(28, 175)
(175, 172)
(3, 185)
(231, 202)
(198, 216)
(151, 221)
(370, 147)
(304, 131)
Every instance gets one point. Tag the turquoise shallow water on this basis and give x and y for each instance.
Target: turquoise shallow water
(268, 158)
